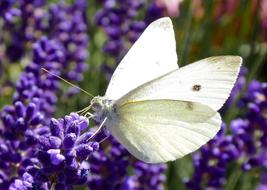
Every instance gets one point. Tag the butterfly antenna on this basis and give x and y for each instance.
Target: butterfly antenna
(68, 82)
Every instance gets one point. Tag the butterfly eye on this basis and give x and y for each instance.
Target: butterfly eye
(96, 105)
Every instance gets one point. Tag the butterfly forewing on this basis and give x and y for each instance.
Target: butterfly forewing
(208, 81)
(152, 55)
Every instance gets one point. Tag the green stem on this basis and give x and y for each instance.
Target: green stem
(258, 63)
(233, 179)
(187, 35)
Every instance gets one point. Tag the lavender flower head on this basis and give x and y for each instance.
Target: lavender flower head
(47, 54)
(110, 167)
(247, 143)
(70, 29)
(211, 161)
(62, 155)
(117, 20)
(34, 99)
(146, 176)
(250, 132)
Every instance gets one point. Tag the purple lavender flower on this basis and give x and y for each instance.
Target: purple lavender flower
(210, 163)
(47, 54)
(246, 143)
(118, 21)
(22, 120)
(154, 11)
(70, 29)
(7, 12)
(22, 127)
(5, 5)
(110, 167)
(24, 23)
(148, 176)
(34, 100)
(63, 154)
(250, 133)
(263, 182)
(35, 97)
(23, 184)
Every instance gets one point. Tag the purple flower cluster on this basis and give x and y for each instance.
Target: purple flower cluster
(25, 22)
(6, 11)
(69, 28)
(24, 123)
(63, 154)
(25, 183)
(47, 54)
(246, 143)
(263, 182)
(64, 24)
(146, 176)
(60, 157)
(210, 163)
(110, 167)
(117, 18)
(34, 100)
(250, 133)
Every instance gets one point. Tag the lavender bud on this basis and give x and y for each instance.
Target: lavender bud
(56, 128)
(37, 119)
(55, 156)
(74, 128)
(84, 137)
(69, 141)
(83, 151)
(30, 111)
(55, 142)
(20, 124)
(19, 107)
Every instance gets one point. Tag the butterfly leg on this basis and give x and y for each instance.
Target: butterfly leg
(88, 115)
(98, 129)
(84, 110)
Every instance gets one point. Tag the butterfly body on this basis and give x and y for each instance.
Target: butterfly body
(103, 108)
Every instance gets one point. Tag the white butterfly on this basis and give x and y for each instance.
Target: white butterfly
(157, 111)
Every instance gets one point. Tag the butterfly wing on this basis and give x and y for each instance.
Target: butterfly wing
(163, 130)
(152, 55)
(208, 81)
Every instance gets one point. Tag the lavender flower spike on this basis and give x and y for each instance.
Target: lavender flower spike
(64, 153)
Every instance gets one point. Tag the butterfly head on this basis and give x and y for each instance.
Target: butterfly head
(101, 107)
(97, 103)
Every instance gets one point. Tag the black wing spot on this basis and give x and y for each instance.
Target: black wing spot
(196, 87)
(190, 105)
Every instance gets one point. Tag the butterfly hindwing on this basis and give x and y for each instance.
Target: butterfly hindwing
(163, 130)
